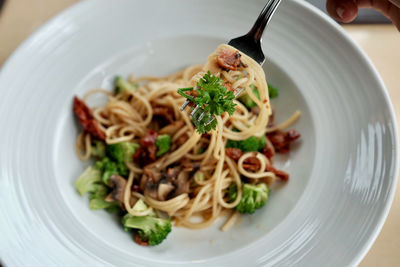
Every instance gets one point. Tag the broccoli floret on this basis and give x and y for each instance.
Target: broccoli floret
(252, 143)
(100, 203)
(249, 144)
(272, 91)
(140, 205)
(88, 180)
(249, 103)
(98, 149)
(91, 182)
(109, 167)
(232, 143)
(97, 197)
(122, 85)
(163, 144)
(246, 100)
(262, 141)
(150, 229)
(121, 152)
(253, 197)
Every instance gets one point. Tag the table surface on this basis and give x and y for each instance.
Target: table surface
(19, 18)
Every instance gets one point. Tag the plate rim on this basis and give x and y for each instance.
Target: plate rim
(364, 248)
(368, 62)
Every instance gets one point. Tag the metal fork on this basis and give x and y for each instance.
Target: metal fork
(250, 44)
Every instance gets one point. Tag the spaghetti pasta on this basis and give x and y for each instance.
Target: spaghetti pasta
(200, 169)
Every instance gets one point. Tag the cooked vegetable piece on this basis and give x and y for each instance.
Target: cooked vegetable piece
(246, 100)
(249, 103)
(121, 152)
(149, 229)
(88, 180)
(98, 149)
(253, 197)
(109, 167)
(86, 119)
(163, 144)
(252, 143)
(272, 91)
(122, 85)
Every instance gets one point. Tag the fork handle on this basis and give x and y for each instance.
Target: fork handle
(257, 30)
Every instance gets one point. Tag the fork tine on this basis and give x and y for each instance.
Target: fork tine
(210, 121)
(194, 111)
(238, 91)
(185, 104)
(201, 116)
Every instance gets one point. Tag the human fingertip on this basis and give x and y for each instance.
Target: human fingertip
(346, 13)
(340, 12)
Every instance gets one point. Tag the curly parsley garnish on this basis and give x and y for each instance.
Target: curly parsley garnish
(213, 98)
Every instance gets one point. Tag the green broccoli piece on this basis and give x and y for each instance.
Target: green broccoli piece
(88, 180)
(122, 85)
(262, 141)
(91, 182)
(249, 103)
(246, 100)
(249, 144)
(163, 144)
(100, 203)
(140, 205)
(150, 229)
(97, 197)
(253, 197)
(232, 143)
(252, 143)
(98, 149)
(272, 91)
(109, 167)
(121, 152)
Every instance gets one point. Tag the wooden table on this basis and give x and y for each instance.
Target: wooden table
(381, 43)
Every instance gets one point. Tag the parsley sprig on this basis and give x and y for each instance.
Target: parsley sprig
(213, 98)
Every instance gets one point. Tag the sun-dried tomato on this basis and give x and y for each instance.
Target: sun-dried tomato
(279, 173)
(147, 150)
(233, 153)
(140, 241)
(86, 119)
(229, 60)
(282, 140)
(252, 164)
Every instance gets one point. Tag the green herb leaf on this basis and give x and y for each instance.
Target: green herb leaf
(213, 98)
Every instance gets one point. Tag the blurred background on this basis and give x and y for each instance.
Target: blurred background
(371, 31)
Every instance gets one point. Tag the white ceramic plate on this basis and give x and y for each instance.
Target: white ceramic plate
(343, 172)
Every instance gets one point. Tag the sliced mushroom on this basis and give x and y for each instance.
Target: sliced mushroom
(164, 190)
(190, 166)
(151, 173)
(182, 183)
(173, 172)
(109, 198)
(133, 200)
(151, 190)
(118, 184)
